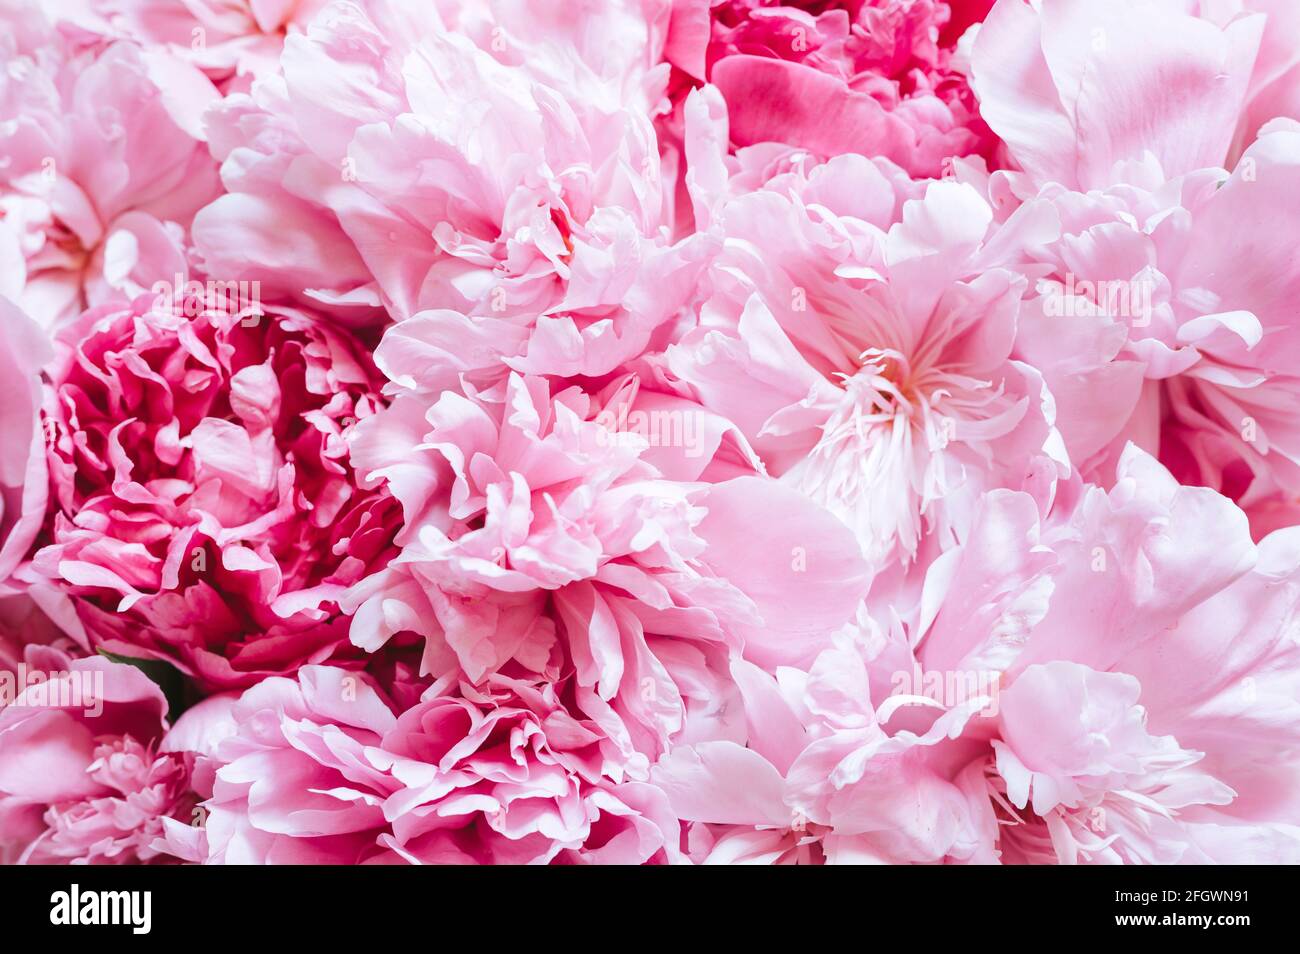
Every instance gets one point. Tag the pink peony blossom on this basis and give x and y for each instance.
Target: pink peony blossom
(541, 541)
(649, 432)
(321, 770)
(877, 77)
(104, 165)
(1163, 313)
(204, 508)
(1083, 744)
(861, 340)
(492, 160)
(1082, 89)
(81, 776)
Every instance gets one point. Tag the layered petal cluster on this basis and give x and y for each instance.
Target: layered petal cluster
(1163, 313)
(861, 337)
(493, 163)
(649, 432)
(105, 164)
(871, 77)
(204, 510)
(319, 769)
(84, 777)
(1046, 724)
(541, 539)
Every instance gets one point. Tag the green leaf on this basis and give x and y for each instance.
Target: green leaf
(180, 694)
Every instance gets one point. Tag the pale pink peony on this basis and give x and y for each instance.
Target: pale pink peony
(1137, 667)
(543, 541)
(1182, 635)
(204, 508)
(231, 41)
(1167, 320)
(1164, 314)
(102, 166)
(494, 164)
(1082, 90)
(82, 779)
(861, 338)
(759, 800)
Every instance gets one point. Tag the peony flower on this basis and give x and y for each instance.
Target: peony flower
(1135, 657)
(1187, 334)
(491, 168)
(1162, 314)
(1081, 91)
(204, 508)
(231, 42)
(875, 77)
(321, 770)
(102, 167)
(731, 793)
(861, 341)
(756, 800)
(1148, 573)
(82, 779)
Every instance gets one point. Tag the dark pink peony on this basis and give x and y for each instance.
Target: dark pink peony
(877, 77)
(204, 510)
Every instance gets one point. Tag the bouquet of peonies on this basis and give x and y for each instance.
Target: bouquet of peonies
(649, 431)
